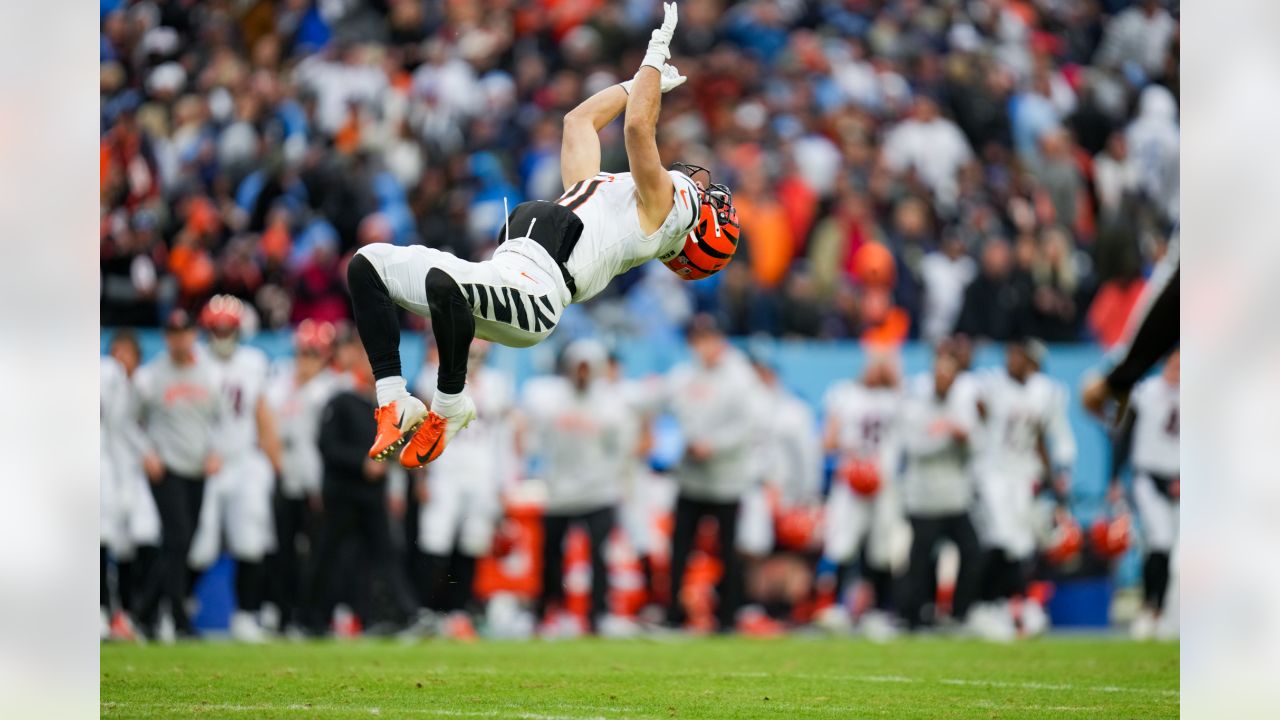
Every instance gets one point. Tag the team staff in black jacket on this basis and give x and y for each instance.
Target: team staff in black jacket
(355, 506)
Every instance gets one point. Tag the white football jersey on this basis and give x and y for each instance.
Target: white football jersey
(297, 410)
(1017, 414)
(243, 379)
(612, 241)
(1155, 429)
(485, 451)
(866, 422)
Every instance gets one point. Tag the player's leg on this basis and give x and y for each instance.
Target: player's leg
(554, 529)
(925, 532)
(438, 524)
(688, 513)
(1159, 517)
(731, 587)
(249, 532)
(454, 328)
(960, 530)
(599, 526)
(377, 321)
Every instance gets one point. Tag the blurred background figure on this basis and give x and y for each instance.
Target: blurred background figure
(182, 405)
(714, 398)
(237, 507)
(1026, 446)
(297, 394)
(584, 436)
(1147, 439)
(864, 510)
(129, 526)
(779, 516)
(938, 428)
(354, 500)
(461, 496)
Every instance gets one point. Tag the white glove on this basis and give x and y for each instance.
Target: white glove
(669, 79)
(660, 41)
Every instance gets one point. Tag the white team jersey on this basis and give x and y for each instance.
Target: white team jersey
(1155, 429)
(1017, 414)
(485, 452)
(121, 439)
(297, 410)
(867, 422)
(612, 241)
(243, 379)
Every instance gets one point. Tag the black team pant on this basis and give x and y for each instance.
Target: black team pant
(599, 524)
(446, 582)
(293, 525)
(178, 499)
(729, 590)
(378, 323)
(1003, 577)
(353, 514)
(927, 532)
(1155, 580)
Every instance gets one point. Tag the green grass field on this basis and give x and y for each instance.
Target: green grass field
(677, 678)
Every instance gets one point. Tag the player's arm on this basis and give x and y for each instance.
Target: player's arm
(580, 145)
(268, 438)
(654, 190)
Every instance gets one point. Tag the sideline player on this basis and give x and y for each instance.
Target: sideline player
(461, 498)
(863, 509)
(1149, 440)
(551, 254)
(1027, 439)
(237, 501)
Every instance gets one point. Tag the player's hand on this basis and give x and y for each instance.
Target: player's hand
(316, 501)
(212, 464)
(153, 467)
(396, 505)
(700, 451)
(659, 50)
(420, 491)
(669, 79)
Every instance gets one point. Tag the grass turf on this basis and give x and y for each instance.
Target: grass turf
(678, 678)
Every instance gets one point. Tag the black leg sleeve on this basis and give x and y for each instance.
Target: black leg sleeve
(1155, 580)
(376, 318)
(453, 326)
(924, 535)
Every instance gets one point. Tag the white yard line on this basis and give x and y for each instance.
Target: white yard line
(1029, 685)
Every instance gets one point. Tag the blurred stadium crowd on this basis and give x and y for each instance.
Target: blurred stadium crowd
(902, 168)
(934, 501)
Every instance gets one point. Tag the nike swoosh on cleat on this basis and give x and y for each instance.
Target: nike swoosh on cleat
(423, 459)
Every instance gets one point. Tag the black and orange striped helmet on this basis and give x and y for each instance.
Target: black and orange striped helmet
(714, 238)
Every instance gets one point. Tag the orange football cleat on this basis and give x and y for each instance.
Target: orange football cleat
(396, 420)
(435, 434)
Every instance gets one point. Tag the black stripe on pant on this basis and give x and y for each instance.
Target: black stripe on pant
(927, 533)
(178, 499)
(729, 590)
(599, 524)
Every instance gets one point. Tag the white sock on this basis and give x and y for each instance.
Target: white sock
(391, 389)
(444, 404)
